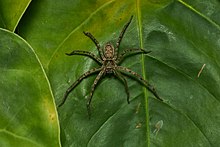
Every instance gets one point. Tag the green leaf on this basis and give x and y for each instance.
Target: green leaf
(182, 44)
(11, 12)
(183, 37)
(27, 112)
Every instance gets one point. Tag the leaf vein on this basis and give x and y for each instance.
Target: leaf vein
(199, 13)
(75, 29)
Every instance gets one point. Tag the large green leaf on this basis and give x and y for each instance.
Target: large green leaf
(11, 12)
(183, 37)
(27, 112)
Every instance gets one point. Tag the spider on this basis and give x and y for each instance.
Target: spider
(109, 60)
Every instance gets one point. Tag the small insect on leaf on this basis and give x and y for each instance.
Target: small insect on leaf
(158, 126)
(138, 125)
(200, 71)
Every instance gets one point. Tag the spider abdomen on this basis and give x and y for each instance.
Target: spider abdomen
(109, 51)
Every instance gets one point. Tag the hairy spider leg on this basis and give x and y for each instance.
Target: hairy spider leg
(141, 79)
(86, 74)
(96, 43)
(120, 77)
(93, 89)
(85, 53)
(128, 52)
(121, 36)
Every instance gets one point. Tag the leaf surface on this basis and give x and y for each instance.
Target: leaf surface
(183, 37)
(11, 12)
(27, 112)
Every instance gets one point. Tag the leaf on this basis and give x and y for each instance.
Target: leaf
(27, 112)
(182, 44)
(11, 12)
(183, 37)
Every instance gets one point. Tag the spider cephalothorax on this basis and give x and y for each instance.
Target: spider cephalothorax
(110, 64)
(109, 60)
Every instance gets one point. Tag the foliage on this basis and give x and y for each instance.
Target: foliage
(183, 36)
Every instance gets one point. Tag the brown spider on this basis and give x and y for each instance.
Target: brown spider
(109, 61)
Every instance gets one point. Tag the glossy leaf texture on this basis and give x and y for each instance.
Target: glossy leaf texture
(27, 112)
(11, 12)
(183, 66)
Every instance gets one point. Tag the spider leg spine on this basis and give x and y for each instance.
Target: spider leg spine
(86, 74)
(121, 35)
(93, 89)
(130, 52)
(120, 77)
(85, 53)
(141, 79)
(88, 34)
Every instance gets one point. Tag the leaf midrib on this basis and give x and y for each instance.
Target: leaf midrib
(140, 34)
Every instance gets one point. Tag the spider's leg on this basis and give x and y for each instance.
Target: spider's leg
(86, 74)
(96, 43)
(141, 79)
(121, 36)
(120, 77)
(92, 90)
(85, 53)
(130, 52)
